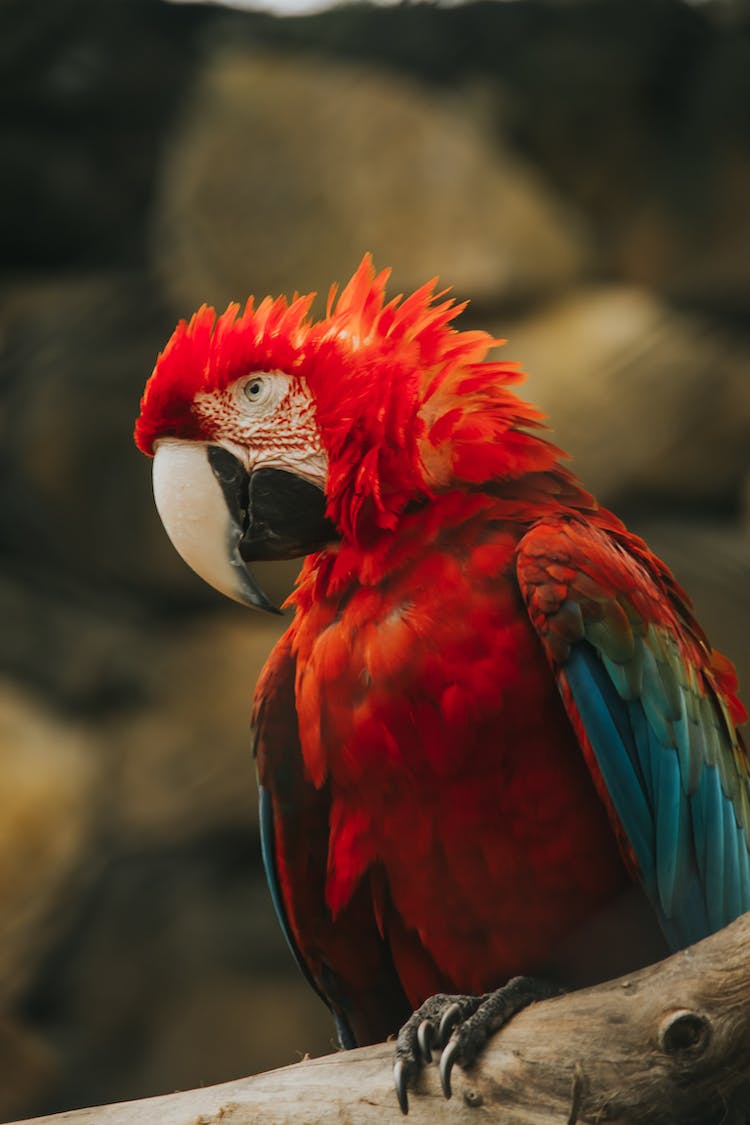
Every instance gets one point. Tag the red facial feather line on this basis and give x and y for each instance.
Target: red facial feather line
(291, 426)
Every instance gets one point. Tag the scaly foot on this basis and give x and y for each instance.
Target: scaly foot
(459, 1027)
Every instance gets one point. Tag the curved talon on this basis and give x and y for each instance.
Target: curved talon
(450, 1018)
(401, 1082)
(424, 1038)
(447, 1061)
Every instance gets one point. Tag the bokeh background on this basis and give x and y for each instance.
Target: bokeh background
(579, 168)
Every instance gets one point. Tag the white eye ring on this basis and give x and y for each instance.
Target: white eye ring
(257, 390)
(261, 391)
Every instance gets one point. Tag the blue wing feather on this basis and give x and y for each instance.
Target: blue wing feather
(672, 843)
(691, 850)
(708, 818)
(595, 700)
(732, 888)
(654, 707)
(645, 741)
(744, 878)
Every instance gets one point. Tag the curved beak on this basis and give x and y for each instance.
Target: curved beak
(219, 517)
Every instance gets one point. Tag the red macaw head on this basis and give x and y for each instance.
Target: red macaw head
(274, 435)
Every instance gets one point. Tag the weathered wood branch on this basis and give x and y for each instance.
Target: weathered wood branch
(668, 1044)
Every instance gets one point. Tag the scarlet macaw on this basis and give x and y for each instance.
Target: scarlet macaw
(493, 741)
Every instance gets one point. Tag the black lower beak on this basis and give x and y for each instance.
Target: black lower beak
(276, 515)
(286, 517)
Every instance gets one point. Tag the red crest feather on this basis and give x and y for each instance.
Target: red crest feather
(405, 403)
(209, 352)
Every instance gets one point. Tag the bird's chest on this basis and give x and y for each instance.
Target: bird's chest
(401, 679)
(457, 785)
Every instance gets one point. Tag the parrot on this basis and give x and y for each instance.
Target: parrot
(497, 756)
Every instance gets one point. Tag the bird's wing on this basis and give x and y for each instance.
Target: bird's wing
(344, 959)
(655, 712)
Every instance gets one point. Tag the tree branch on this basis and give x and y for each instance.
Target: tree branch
(668, 1044)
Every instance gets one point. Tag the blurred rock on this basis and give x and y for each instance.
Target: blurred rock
(172, 705)
(181, 763)
(131, 879)
(690, 232)
(75, 494)
(163, 944)
(29, 1069)
(48, 809)
(639, 114)
(86, 93)
(284, 170)
(636, 112)
(84, 652)
(652, 404)
(215, 1027)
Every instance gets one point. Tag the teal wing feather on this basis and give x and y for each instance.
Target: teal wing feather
(655, 713)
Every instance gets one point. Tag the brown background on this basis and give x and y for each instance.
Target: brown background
(581, 170)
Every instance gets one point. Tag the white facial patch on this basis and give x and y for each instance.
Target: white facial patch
(268, 419)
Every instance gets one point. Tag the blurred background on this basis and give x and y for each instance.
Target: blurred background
(579, 168)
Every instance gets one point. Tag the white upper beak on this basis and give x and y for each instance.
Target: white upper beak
(191, 504)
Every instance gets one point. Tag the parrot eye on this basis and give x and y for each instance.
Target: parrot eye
(254, 389)
(262, 391)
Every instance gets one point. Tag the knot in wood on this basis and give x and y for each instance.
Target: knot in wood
(684, 1030)
(473, 1098)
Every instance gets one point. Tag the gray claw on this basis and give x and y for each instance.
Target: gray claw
(447, 1060)
(451, 1016)
(401, 1082)
(424, 1038)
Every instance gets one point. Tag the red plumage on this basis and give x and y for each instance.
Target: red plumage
(441, 819)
